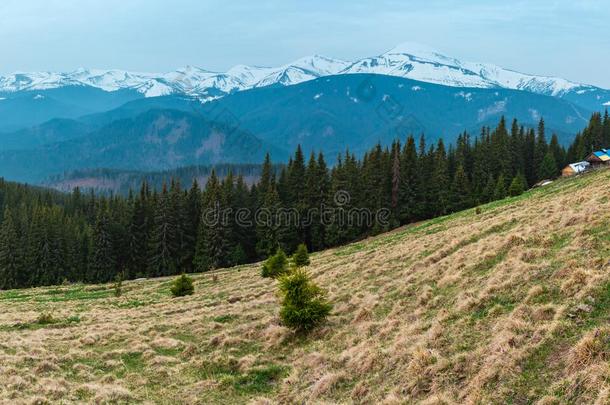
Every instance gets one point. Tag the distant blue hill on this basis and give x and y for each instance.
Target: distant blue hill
(30, 108)
(331, 114)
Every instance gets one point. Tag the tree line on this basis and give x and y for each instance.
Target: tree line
(47, 237)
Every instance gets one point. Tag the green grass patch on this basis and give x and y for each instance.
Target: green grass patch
(14, 295)
(96, 365)
(490, 262)
(225, 318)
(503, 303)
(601, 309)
(350, 249)
(132, 363)
(259, 380)
(76, 294)
(43, 321)
(550, 294)
(165, 351)
(131, 304)
(536, 374)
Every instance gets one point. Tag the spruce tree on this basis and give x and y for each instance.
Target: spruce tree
(500, 189)
(303, 305)
(11, 255)
(409, 185)
(213, 244)
(558, 153)
(460, 196)
(163, 244)
(267, 225)
(301, 256)
(548, 167)
(517, 186)
(440, 181)
(275, 265)
(102, 265)
(540, 151)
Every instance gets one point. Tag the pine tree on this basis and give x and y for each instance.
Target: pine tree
(395, 177)
(102, 265)
(500, 189)
(409, 185)
(548, 167)
(301, 256)
(303, 305)
(267, 226)
(163, 245)
(266, 178)
(182, 286)
(517, 186)
(244, 232)
(558, 153)
(11, 259)
(440, 181)
(606, 130)
(213, 244)
(460, 196)
(275, 265)
(190, 226)
(540, 151)
(529, 156)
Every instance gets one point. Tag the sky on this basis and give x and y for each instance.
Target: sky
(569, 39)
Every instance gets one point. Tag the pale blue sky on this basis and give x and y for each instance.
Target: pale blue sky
(570, 39)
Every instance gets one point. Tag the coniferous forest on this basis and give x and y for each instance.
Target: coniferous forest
(47, 237)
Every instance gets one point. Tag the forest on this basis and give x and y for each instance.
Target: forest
(48, 237)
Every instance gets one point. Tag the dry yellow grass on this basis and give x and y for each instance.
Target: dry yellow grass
(507, 305)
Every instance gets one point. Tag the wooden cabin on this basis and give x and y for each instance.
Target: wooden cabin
(598, 158)
(575, 168)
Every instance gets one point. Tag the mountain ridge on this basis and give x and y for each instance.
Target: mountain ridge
(277, 119)
(407, 60)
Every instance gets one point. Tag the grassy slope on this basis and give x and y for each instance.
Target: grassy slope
(507, 305)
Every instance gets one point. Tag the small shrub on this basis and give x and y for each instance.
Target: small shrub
(276, 265)
(73, 319)
(301, 256)
(237, 256)
(45, 319)
(118, 285)
(303, 303)
(517, 186)
(183, 285)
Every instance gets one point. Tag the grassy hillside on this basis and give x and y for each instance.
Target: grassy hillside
(505, 304)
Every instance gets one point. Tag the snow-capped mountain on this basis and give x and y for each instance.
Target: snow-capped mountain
(189, 80)
(418, 62)
(409, 61)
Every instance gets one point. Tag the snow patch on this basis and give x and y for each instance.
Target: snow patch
(416, 88)
(465, 96)
(534, 114)
(496, 108)
(38, 97)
